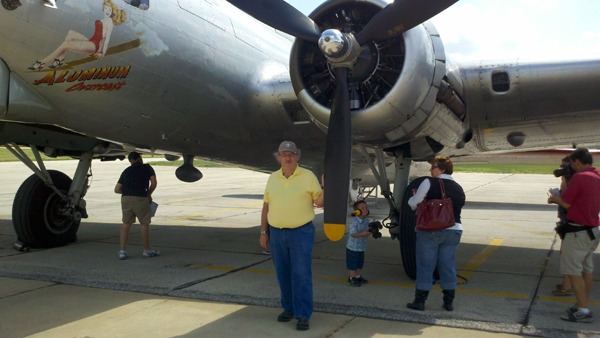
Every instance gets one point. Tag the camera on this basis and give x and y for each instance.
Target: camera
(374, 229)
(565, 170)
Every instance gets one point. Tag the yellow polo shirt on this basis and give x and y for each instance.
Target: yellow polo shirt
(291, 199)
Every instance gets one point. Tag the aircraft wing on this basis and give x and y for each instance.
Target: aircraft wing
(206, 79)
(516, 104)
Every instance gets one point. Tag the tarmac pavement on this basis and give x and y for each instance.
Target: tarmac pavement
(212, 277)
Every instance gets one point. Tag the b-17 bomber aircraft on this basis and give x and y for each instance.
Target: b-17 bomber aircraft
(363, 87)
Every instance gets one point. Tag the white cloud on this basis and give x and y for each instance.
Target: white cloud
(151, 44)
(518, 29)
(592, 35)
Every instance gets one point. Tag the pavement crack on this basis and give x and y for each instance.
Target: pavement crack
(344, 324)
(27, 291)
(488, 183)
(537, 287)
(192, 283)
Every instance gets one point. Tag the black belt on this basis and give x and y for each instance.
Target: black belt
(568, 226)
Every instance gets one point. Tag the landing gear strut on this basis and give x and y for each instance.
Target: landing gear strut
(49, 206)
(402, 217)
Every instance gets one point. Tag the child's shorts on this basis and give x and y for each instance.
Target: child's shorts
(355, 260)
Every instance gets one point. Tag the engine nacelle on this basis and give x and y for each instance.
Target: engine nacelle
(394, 83)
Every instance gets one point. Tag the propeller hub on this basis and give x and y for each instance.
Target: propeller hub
(341, 49)
(332, 42)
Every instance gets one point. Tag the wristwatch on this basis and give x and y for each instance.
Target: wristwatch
(264, 232)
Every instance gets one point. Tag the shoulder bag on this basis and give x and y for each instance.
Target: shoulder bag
(435, 214)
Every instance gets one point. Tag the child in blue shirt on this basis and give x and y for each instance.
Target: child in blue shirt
(357, 244)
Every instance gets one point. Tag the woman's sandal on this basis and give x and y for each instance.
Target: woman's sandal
(561, 291)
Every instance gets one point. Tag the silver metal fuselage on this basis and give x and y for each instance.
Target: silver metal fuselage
(207, 80)
(219, 87)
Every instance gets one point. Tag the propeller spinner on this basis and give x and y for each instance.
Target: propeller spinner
(342, 51)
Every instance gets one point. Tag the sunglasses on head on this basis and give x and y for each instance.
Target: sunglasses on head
(434, 167)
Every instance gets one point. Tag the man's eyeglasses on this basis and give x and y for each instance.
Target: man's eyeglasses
(434, 167)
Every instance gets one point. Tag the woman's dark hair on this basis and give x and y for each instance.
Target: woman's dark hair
(583, 155)
(444, 163)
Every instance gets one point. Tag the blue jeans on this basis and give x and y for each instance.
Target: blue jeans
(291, 250)
(437, 248)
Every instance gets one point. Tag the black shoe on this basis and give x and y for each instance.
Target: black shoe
(419, 302)
(353, 282)
(362, 280)
(285, 317)
(302, 324)
(448, 298)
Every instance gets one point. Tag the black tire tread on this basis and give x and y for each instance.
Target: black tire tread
(25, 205)
(408, 236)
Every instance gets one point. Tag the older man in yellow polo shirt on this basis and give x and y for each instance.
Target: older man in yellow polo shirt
(287, 230)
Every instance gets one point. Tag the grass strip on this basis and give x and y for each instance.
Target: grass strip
(197, 163)
(507, 168)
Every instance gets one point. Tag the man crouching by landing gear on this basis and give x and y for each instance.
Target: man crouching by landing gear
(581, 234)
(135, 202)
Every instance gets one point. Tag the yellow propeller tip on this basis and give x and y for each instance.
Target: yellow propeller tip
(335, 232)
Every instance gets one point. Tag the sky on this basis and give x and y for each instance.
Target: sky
(500, 29)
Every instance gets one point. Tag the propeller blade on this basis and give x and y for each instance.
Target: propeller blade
(338, 154)
(282, 16)
(400, 16)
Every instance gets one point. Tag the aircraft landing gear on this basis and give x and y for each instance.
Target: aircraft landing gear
(40, 216)
(49, 206)
(402, 217)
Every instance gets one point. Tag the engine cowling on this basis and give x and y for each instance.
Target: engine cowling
(393, 85)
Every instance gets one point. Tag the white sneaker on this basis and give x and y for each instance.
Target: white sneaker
(122, 255)
(150, 253)
(578, 316)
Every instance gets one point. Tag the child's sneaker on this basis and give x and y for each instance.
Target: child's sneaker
(150, 253)
(578, 316)
(122, 255)
(353, 282)
(362, 280)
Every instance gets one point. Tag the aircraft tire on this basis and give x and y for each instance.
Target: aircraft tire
(408, 236)
(36, 213)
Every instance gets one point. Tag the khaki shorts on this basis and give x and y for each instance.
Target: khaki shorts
(577, 252)
(135, 206)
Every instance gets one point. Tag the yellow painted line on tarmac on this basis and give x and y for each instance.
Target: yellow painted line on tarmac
(470, 268)
(489, 293)
(215, 202)
(403, 285)
(214, 212)
(344, 279)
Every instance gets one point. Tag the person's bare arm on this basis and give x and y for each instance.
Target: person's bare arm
(556, 199)
(264, 226)
(153, 184)
(362, 234)
(320, 201)
(118, 188)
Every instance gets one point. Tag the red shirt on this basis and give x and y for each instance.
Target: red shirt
(583, 194)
